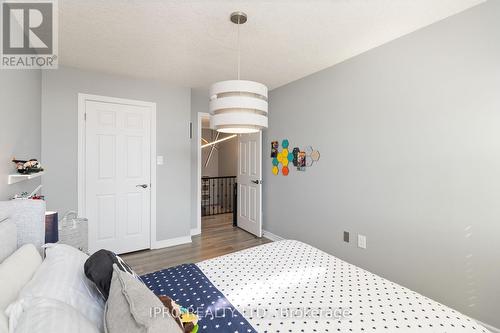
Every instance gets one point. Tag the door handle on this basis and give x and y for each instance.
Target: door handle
(142, 185)
(257, 182)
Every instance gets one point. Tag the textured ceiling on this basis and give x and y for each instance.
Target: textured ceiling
(193, 43)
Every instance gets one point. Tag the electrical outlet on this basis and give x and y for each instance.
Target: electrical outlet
(346, 236)
(362, 241)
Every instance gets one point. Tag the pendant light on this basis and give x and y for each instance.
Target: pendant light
(238, 106)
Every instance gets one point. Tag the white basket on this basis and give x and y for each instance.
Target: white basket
(73, 231)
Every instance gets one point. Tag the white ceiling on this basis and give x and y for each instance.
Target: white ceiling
(192, 43)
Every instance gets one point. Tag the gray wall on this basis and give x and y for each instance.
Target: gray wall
(224, 160)
(60, 90)
(212, 169)
(228, 157)
(409, 135)
(19, 125)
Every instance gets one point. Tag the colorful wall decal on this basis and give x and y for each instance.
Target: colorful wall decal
(274, 148)
(300, 158)
(301, 161)
(315, 155)
(308, 150)
(295, 155)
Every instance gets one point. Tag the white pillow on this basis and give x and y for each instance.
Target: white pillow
(15, 272)
(8, 238)
(61, 277)
(49, 315)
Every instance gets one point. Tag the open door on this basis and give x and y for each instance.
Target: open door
(250, 183)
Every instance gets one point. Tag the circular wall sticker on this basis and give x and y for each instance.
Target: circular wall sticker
(285, 143)
(285, 171)
(275, 170)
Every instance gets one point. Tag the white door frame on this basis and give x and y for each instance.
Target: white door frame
(197, 230)
(82, 98)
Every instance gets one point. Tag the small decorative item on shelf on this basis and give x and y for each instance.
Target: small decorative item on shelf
(73, 231)
(32, 196)
(28, 167)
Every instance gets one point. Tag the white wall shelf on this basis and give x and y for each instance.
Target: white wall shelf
(18, 177)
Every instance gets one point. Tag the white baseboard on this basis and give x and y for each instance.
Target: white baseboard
(489, 327)
(271, 236)
(195, 231)
(171, 242)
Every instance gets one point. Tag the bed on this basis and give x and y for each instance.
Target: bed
(284, 286)
(289, 286)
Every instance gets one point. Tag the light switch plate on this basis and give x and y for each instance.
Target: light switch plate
(159, 160)
(362, 241)
(346, 236)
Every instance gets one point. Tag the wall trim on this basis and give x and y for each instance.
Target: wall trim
(195, 231)
(488, 327)
(271, 236)
(81, 190)
(172, 242)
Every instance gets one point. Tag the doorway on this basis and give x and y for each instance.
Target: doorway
(117, 172)
(229, 178)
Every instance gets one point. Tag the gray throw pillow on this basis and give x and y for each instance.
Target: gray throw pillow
(8, 238)
(131, 308)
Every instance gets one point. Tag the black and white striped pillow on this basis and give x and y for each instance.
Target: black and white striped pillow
(99, 269)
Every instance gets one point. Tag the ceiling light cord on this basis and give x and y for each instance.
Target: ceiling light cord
(239, 50)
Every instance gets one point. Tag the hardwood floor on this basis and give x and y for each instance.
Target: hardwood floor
(218, 237)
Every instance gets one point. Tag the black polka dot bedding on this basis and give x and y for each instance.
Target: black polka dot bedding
(289, 286)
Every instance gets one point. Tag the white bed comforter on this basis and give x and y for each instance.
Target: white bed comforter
(289, 286)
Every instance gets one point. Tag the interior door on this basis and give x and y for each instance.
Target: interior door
(117, 176)
(250, 183)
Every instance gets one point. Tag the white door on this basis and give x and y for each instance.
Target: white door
(118, 176)
(250, 183)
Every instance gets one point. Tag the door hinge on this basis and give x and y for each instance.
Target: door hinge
(85, 116)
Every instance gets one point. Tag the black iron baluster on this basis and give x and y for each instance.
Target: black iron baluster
(225, 194)
(223, 185)
(217, 195)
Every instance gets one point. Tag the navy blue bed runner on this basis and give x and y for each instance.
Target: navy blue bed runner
(190, 288)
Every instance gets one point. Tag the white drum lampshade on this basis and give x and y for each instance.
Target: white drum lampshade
(238, 106)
